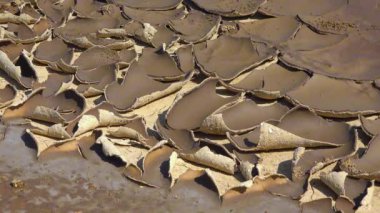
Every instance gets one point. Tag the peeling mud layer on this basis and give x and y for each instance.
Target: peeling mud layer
(189, 106)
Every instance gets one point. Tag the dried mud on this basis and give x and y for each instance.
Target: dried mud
(189, 106)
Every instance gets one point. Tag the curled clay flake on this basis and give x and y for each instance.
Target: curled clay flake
(367, 165)
(186, 59)
(359, 191)
(337, 98)
(154, 17)
(164, 38)
(190, 109)
(14, 51)
(177, 167)
(97, 75)
(335, 180)
(6, 36)
(16, 19)
(147, 91)
(230, 8)
(343, 204)
(156, 36)
(246, 169)
(126, 132)
(141, 101)
(153, 5)
(297, 154)
(249, 157)
(155, 166)
(139, 124)
(129, 154)
(302, 165)
(46, 114)
(307, 39)
(354, 16)
(172, 171)
(215, 57)
(143, 32)
(273, 30)
(96, 57)
(28, 70)
(160, 66)
(183, 140)
(56, 131)
(24, 73)
(43, 53)
(214, 124)
(55, 83)
(86, 123)
(82, 27)
(241, 117)
(282, 135)
(205, 156)
(23, 34)
(89, 91)
(94, 81)
(91, 40)
(272, 137)
(225, 182)
(222, 182)
(12, 70)
(65, 67)
(331, 62)
(271, 134)
(196, 26)
(148, 32)
(7, 93)
(135, 174)
(353, 193)
(269, 83)
(60, 108)
(109, 149)
(89, 8)
(305, 124)
(128, 57)
(303, 7)
(57, 12)
(370, 126)
(108, 32)
(43, 142)
(100, 116)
